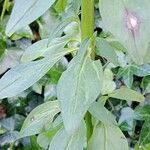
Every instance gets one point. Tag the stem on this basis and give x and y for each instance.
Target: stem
(87, 18)
(89, 126)
(87, 30)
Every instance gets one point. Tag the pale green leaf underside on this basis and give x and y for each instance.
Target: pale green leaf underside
(105, 50)
(38, 118)
(63, 141)
(45, 48)
(78, 87)
(107, 137)
(125, 93)
(114, 14)
(25, 75)
(25, 12)
(145, 133)
(98, 111)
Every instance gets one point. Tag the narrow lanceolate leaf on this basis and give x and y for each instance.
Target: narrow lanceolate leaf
(107, 137)
(25, 75)
(129, 22)
(78, 87)
(125, 93)
(45, 48)
(38, 118)
(25, 12)
(63, 141)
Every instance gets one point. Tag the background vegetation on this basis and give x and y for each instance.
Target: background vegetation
(121, 68)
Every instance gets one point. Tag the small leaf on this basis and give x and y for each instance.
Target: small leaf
(127, 117)
(127, 75)
(107, 137)
(145, 84)
(98, 111)
(78, 87)
(105, 50)
(23, 76)
(38, 118)
(108, 84)
(44, 49)
(145, 133)
(141, 71)
(143, 112)
(24, 17)
(63, 141)
(45, 138)
(127, 94)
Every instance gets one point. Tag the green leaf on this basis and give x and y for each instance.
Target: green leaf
(57, 31)
(21, 13)
(78, 87)
(2, 47)
(105, 50)
(108, 84)
(25, 75)
(125, 93)
(38, 118)
(107, 137)
(145, 84)
(35, 50)
(141, 71)
(45, 138)
(63, 141)
(145, 147)
(34, 144)
(46, 22)
(145, 133)
(126, 120)
(117, 16)
(55, 73)
(98, 110)
(61, 5)
(22, 33)
(143, 112)
(45, 49)
(6, 7)
(127, 75)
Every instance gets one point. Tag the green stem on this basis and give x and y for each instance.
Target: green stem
(87, 30)
(87, 18)
(89, 126)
